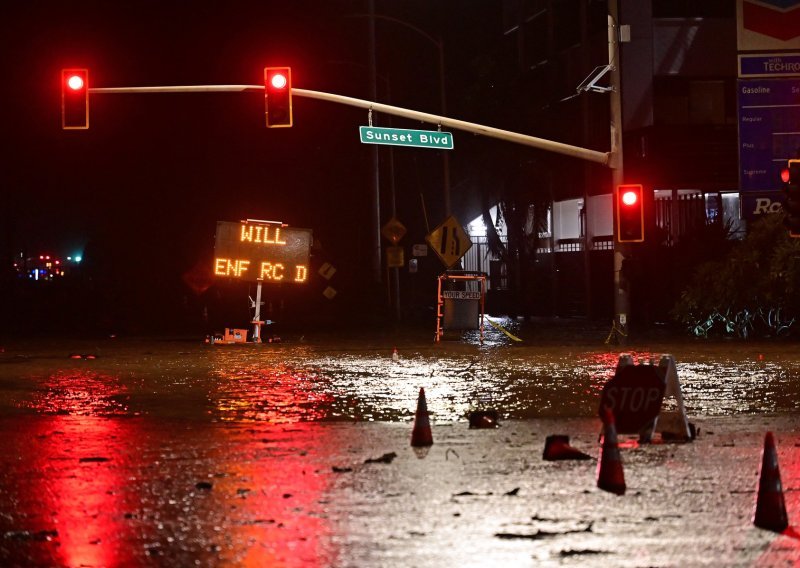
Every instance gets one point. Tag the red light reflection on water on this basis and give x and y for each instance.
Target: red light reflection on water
(602, 366)
(276, 394)
(74, 463)
(277, 512)
(85, 496)
(69, 481)
(79, 392)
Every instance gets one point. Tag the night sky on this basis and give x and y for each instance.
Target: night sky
(140, 192)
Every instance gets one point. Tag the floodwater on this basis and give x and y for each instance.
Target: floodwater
(175, 453)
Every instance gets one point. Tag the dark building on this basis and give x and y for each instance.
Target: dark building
(678, 65)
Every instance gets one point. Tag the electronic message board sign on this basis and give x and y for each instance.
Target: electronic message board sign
(261, 250)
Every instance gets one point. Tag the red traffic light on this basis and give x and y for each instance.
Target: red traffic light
(791, 190)
(278, 80)
(75, 82)
(630, 198)
(74, 99)
(630, 213)
(278, 96)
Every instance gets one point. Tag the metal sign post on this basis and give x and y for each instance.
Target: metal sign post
(257, 322)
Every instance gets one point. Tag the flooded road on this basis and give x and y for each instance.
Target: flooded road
(174, 453)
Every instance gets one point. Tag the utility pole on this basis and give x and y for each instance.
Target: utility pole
(621, 250)
(375, 196)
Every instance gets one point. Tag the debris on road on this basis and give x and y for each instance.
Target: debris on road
(385, 458)
(556, 447)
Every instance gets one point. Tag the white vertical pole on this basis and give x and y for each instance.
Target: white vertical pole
(375, 195)
(257, 315)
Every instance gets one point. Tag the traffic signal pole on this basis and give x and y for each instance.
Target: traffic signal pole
(619, 327)
(595, 156)
(375, 174)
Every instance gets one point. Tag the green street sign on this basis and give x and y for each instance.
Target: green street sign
(402, 137)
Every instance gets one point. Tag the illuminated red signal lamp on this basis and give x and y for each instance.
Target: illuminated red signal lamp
(278, 81)
(278, 96)
(75, 82)
(630, 198)
(74, 99)
(791, 204)
(630, 213)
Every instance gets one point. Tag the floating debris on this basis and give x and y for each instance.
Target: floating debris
(385, 458)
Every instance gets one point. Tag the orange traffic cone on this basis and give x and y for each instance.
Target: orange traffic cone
(610, 476)
(770, 507)
(556, 447)
(421, 435)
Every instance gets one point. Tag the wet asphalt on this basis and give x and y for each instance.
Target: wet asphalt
(167, 452)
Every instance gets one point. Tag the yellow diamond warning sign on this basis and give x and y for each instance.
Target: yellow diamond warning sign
(449, 241)
(393, 230)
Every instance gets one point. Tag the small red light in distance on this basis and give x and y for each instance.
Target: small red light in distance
(278, 81)
(630, 198)
(785, 175)
(75, 82)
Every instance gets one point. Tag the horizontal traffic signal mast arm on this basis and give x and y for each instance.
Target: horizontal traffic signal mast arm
(603, 158)
(489, 131)
(180, 89)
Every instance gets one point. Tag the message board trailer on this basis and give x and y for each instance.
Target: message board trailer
(261, 251)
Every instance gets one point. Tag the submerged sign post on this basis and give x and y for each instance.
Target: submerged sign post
(403, 137)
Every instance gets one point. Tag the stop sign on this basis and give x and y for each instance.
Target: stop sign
(634, 395)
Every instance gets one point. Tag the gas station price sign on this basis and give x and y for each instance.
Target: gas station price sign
(262, 250)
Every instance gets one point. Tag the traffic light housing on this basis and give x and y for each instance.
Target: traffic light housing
(791, 188)
(74, 99)
(278, 96)
(629, 200)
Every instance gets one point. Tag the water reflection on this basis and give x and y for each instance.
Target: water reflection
(269, 497)
(79, 392)
(68, 488)
(98, 471)
(288, 383)
(88, 491)
(279, 394)
(292, 384)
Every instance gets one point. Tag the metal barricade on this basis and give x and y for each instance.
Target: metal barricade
(461, 309)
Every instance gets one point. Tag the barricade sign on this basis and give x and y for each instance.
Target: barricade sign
(634, 395)
(461, 295)
(460, 309)
(672, 420)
